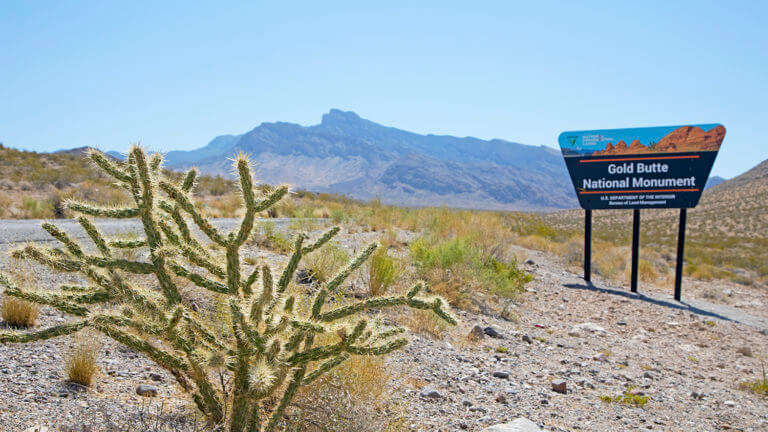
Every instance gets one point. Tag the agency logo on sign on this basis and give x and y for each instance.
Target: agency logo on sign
(656, 167)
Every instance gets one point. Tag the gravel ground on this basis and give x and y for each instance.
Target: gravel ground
(688, 358)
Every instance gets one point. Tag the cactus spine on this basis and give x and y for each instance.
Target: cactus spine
(269, 351)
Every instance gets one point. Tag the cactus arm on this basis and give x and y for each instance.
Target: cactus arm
(288, 272)
(204, 332)
(105, 212)
(334, 283)
(205, 226)
(135, 267)
(436, 305)
(260, 302)
(154, 240)
(189, 180)
(51, 332)
(61, 236)
(233, 266)
(127, 244)
(162, 358)
(211, 403)
(197, 279)
(95, 235)
(324, 367)
(325, 238)
(290, 391)
(52, 300)
(107, 166)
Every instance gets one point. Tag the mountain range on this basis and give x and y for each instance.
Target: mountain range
(356, 157)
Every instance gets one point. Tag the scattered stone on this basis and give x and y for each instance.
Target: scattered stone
(466, 403)
(745, 351)
(527, 338)
(520, 424)
(529, 261)
(729, 403)
(154, 376)
(500, 398)
(501, 374)
(601, 357)
(621, 323)
(728, 292)
(590, 327)
(430, 393)
(146, 390)
(648, 375)
(37, 428)
(476, 333)
(304, 276)
(492, 332)
(560, 386)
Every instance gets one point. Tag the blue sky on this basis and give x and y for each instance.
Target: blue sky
(174, 75)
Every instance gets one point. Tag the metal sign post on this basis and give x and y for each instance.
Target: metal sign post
(680, 253)
(640, 168)
(635, 248)
(588, 245)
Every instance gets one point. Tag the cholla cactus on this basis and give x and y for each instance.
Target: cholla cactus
(269, 348)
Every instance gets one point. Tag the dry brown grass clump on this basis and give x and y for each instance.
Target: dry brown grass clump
(80, 361)
(19, 313)
(421, 322)
(351, 398)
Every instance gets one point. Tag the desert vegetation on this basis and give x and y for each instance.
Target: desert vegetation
(725, 237)
(271, 338)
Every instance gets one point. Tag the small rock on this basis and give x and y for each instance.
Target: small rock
(560, 386)
(146, 390)
(601, 357)
(590, 327)
(648, 375)
(501, 374)
(728, 292)
(527, 339)
(492, 332)
(729, 403)
(466, 403)
(764, 332)
(621, 323)
(154, 376)
(520, 424)
(429, 392)
(745, 351)
(476, 333)
(37, 428)
(500, 398)
(529, 261)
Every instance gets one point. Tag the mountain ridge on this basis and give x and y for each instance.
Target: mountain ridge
(348, 154)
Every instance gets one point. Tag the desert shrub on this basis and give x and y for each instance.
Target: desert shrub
(328, 261)
(19, 313)
(381, 271)
(278, 341)
(645, 271)
(454, 264)
(267, 236)
(80, 361)
(757, 386)
(424, 323)
(350, 398)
